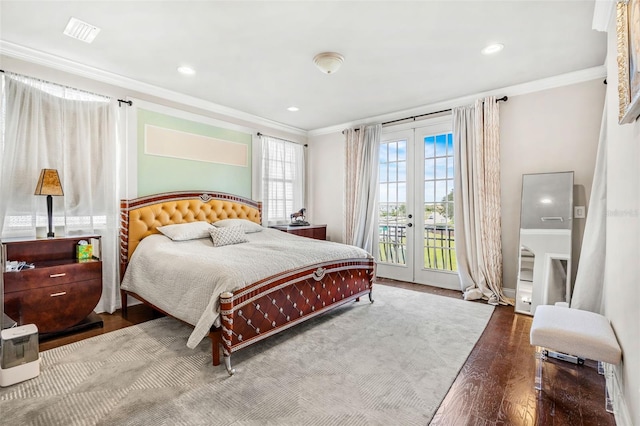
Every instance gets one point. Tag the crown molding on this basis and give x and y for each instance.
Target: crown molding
(52, 61)
(519, 89)
(72, 67)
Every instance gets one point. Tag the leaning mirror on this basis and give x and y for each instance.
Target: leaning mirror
(544, 260)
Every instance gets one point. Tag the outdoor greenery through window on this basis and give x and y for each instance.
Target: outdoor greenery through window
(437, 231)
(439, 249)
(392, 218)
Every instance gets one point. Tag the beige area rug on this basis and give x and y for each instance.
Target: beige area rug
(390, 362)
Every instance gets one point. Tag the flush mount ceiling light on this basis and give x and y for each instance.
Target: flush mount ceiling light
(81, 30)
(492, 48)
(328, 62)
(293, 109)
(186, 70)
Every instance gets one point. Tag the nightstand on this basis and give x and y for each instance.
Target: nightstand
(318, 232)
(60, 292)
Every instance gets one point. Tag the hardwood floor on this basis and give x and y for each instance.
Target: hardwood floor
(495, 385)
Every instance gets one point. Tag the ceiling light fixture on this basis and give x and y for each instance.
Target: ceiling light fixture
(81, 30)
(328, 62)
(492, 48)
(293, 109)
(185, 70)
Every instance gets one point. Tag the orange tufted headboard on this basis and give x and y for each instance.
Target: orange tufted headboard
(140, 217)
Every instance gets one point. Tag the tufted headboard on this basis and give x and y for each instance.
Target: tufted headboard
(139, 217)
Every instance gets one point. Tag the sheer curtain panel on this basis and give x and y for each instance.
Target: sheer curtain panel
(589, 286)
(45, 125)
(283, 172)
(477, 193)
(361, 185)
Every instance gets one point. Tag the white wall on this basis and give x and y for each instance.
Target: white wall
(622, 270)
(555, 130)
(326, 182)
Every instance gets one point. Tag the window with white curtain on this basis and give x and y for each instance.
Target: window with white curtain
(46, 125)
(282, 180)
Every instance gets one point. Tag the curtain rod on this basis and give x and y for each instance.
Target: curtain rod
(280, 139)
(413, 117)
(59, 85)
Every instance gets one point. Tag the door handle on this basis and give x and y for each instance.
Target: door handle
(409, 225)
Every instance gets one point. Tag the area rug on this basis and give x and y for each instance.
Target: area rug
(390, 362)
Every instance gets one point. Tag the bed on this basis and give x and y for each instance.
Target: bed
(235, 294)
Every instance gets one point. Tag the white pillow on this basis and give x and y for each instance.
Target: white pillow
(227, 236)
(186, 231)
(248, 226)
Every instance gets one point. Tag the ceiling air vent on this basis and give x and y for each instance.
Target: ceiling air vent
(81, 30)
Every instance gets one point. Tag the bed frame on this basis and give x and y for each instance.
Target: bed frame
(258, 310)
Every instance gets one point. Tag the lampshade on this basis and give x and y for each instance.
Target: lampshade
(49, 183)
(328, 62)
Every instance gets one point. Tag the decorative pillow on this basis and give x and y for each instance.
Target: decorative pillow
(248, 226)
(186, 231)
(227, 236)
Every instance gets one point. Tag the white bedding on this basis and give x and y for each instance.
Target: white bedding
(185, 278)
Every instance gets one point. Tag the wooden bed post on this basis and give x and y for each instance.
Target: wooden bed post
(226, 337)
(215, 336)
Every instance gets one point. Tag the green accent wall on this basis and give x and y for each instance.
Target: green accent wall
(162, 174)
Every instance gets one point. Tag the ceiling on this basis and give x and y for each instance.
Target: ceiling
(256, 56)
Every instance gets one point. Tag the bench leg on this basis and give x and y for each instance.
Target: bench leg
(608, 400)
(540, 358)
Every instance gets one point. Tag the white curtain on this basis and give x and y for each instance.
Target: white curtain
(361, 185)
(588, 289)
(50, 126)
(283, 171)
(477, 195)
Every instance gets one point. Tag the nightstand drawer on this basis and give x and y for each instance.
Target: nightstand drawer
(52, 275)
(54, 308)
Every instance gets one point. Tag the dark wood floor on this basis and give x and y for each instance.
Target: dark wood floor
(495, 385)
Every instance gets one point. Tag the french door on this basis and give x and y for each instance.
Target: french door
(415, 238)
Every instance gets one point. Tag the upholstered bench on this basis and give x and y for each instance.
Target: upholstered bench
(583, 334)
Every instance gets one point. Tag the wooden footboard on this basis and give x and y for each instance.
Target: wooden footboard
(275, 304)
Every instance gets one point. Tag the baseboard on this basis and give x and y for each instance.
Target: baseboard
(613, 380)
(509, 292)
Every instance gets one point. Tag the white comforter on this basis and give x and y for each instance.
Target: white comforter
(185, 278)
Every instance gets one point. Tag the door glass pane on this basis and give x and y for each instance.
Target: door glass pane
(439, 248)
(392, 205)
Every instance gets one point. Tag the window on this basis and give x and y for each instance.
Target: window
(282, 180)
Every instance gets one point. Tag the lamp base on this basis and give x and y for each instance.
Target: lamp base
(50, 235)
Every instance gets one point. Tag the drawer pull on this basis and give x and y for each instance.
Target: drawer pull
(62, 293)
(57, 275)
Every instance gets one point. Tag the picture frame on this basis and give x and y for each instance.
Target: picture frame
(628, 58)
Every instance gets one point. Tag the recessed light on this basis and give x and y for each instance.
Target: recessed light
(293, 109)
(492, 48)
(546, 200)
(185, 70)
(81, 30)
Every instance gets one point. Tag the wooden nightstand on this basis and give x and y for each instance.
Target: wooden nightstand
(319, 232)
(57, 295)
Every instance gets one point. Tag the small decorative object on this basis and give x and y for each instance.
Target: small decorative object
(49, 185)
(297, 218)
(84, 250)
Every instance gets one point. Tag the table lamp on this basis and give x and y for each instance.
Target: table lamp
(49, 184)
